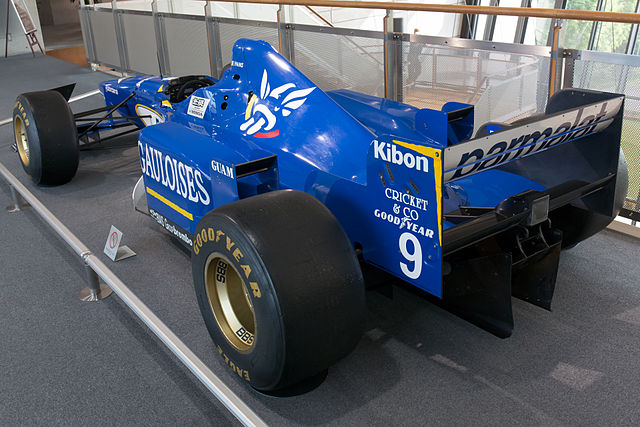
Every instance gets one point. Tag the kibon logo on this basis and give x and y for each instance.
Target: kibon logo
(389, 153)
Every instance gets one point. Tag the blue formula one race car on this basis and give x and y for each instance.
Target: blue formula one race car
(286, 194)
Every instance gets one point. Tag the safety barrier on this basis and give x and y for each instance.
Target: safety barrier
(95, 270)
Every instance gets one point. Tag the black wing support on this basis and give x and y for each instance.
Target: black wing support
(65, 91)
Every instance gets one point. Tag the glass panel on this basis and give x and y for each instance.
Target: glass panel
(144, 5)
(575, 34)
(343, 17)
(222, 10)
(613, 37)
(187, 48)
(140, 39)
(482, 22)
(104, 4)
(502, 86)
(631, 130)
(430, 23)
(105, 37)
(537, 31)
(334, 61)
(256, 12)
(505, 29)
(231, 32)
(619, 78)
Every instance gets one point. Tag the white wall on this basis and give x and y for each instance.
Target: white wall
(17, 40)
(64, 12)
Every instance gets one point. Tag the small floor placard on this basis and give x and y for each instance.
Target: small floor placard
(112, 247)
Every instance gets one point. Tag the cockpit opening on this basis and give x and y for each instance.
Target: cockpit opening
(181, 88)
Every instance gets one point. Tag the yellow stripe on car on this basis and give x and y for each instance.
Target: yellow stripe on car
(170, 204)
(436, 155)
(247, 113)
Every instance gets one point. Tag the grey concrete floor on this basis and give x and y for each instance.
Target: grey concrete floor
(64, 362)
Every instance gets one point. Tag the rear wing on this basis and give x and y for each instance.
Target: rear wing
(571, 115)
(492, 253)
(572, 152)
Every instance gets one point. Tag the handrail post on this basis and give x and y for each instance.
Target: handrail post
(96, 291)
(96, 270)
(385, 50)
(122, 47)
(161, 40)
(85, 21)
(213, 41)
(280, 20)
(569, 68)
(398, 60)
(18, 202)
(554, 81)
(392, 57)
(285, 35)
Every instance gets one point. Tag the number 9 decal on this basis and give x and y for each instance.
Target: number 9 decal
(415, 256)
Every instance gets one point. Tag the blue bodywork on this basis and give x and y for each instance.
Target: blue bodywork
(376, 164)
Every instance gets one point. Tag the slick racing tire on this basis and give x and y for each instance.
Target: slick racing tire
(46, 137)
(279, 287)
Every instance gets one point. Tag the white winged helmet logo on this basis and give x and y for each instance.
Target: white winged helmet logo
(259, 120)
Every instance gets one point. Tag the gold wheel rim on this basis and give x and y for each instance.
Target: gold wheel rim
(230, 302)
(22, 141)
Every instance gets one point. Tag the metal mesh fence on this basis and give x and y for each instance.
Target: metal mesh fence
(187, 47)
(230, 32)
(106, 43)
(140, 38)
(619, 78)
(335, 61)
(504, 83)
(86, 34)
(516, 93)
(502, 86)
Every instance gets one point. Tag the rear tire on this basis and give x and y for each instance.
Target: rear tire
(279, 287)
(46, 137)
(579, 224)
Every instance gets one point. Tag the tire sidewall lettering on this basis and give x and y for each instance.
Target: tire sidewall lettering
(238, 253)
(233, 253)
(32, 138)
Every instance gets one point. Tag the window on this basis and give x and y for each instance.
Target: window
(537, 31)
(505, 29)
(610, 36)
(482, 21)
(575, 34)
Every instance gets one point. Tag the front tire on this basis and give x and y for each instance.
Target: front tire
(279, 287)
(46, 137)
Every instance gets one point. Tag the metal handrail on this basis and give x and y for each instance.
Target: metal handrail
(582, 15)
(223, 393)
